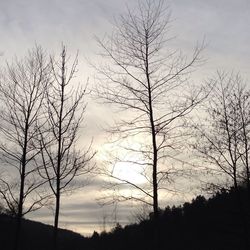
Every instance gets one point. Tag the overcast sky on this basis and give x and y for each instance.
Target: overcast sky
(224, 24)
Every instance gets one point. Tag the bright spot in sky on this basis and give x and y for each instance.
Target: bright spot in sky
(128, 171)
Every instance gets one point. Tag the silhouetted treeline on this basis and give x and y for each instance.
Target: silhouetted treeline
(215, 223)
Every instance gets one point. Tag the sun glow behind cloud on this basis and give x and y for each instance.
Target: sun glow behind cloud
(130, 172)
(123, 159)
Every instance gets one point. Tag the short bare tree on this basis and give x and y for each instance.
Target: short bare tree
(222, 135)
(242, 103)
(222, 138)
(22, 87)
(62, 161)
(148, 82)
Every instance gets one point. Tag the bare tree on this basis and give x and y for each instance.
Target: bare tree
(148, 81)
(222, 133)
(62, 161)
(222, 137)
(242, 103)
(22, 91)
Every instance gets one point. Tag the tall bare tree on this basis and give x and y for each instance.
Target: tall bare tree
(147, 80)
(62, 161)
(22, 91)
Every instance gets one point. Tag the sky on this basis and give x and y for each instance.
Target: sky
(223, 24)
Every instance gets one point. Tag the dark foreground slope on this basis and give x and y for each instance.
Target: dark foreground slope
(219, 223)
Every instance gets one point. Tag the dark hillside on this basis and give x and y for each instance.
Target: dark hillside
(36, 236)
(219, 223)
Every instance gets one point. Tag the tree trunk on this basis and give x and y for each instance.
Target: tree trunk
(155, 185)
(21, 193)
(56, 219)
(19, 212)
(155, 157)
(153, 135)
